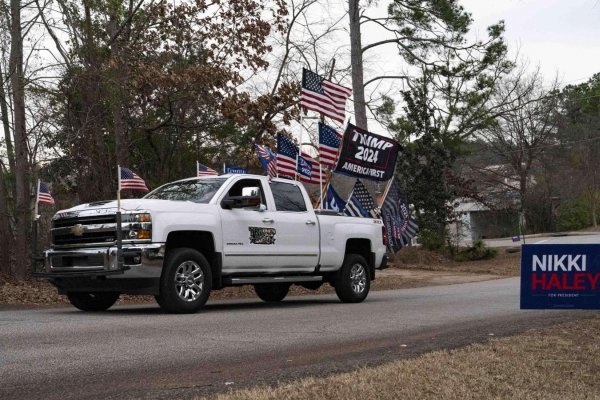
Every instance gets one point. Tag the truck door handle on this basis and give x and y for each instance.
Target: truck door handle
(268, 220)
(309, 222)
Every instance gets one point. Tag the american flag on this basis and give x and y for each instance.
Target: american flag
(129, 180)
(267, 159)
(203, 170)
(329, 143)
(323, 96)
(360, 203)
(399, 225)
(287, 152)
(314, 178)
(44, 195)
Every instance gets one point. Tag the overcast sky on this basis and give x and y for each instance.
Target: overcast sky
(562, 36)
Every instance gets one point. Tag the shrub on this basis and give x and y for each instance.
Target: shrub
(479, 251)
(573, 215)
(431, 240)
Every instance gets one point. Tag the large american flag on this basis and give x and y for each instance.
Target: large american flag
(267, 159)
(287, 153)
(129, 180)
(44, 195)
(360, 203)
(315, 176)
(203, 170)
(323, 96)
(329, 143)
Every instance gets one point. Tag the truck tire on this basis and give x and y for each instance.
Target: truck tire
(185, 283)
(271, 292)
(353, 282)
(93, 301)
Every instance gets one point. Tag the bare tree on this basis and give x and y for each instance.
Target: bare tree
(524, 129)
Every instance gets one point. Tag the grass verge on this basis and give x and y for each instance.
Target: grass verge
(555, 363)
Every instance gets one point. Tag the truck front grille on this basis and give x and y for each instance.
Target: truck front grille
(87, 230)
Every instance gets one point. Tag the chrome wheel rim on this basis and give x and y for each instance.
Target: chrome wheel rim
(358, 278)
(189, 281)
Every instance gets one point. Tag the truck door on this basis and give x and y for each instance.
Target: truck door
(248, 232)
(297, 228)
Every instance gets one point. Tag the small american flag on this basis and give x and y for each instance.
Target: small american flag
(203, 170)
(129, 180)
(329, 143)
(44, 195)
(323, 96)
(360, 203)
(287, 153)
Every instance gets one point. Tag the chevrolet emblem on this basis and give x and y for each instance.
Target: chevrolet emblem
(77, 230)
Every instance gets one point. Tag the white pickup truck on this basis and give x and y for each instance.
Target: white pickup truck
(195, 235)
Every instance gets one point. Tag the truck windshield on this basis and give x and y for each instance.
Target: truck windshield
(197, 190)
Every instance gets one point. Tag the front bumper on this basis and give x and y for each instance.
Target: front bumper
(96, 269)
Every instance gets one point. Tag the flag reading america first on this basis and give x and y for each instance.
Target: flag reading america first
(44, 195)
(129, 180)
(366, 155)
(323, 96)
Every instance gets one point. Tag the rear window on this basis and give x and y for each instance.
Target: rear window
(287, 197)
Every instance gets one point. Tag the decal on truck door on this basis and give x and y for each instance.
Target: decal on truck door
(260, 235)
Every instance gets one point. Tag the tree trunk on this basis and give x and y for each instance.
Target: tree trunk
(22, 209)
(5, 123)
(356, 59)
(6, 236)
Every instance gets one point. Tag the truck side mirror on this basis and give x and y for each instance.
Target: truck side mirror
(232, 202)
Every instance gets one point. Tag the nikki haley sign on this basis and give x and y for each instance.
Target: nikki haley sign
(561, 276)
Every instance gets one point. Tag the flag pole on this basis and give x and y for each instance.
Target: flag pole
(34, 228)
(119, 222)
(386, 190)
(300, 144)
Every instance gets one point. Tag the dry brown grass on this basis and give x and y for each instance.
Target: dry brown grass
(505, 264)
(557, 363)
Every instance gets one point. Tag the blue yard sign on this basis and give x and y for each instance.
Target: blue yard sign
(560, 276)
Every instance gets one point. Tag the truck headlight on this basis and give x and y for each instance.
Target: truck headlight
(139, 226)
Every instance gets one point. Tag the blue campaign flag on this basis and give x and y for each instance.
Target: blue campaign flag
(304, 167)
(333, 201)
(560, 276)
(230, 169)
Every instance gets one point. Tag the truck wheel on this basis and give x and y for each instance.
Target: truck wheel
(271, 292)
(353, 282)
(93, 301)
(185, 283)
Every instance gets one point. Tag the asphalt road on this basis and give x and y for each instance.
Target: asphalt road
(138, 352)
(571, 238)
